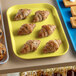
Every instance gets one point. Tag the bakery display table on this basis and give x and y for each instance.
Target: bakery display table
(16, 64)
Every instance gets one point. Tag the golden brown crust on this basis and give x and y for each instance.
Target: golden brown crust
(68, 3)
(52, 46)
(73, 22)
(40, 16)
(57, 72)
(30, 46)
(22, 14)
(46, 30)
(73, 10)
(26, 29)
(1, 57)
(45, 72)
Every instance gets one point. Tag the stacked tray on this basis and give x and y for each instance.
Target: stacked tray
(19, 41)
(66, 14)
(3, 41)
(61, 71)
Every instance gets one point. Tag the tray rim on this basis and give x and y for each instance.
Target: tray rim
(59, 22)
(2, 62)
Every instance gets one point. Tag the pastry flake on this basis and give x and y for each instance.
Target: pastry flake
(40, 16)
(22, 14)
(73, 21)
(52, 46)
(26, 29)
(30, 46)
(46, 30)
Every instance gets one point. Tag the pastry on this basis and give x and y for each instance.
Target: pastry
(73, 10)
(22, 14)
(1, 33)
(46, 30)
(73, 22)
(69, 3)
(1, 57)
(30, 46)
(70, 72)
(44, 72)
(23, 74)
(40, 16)
(26, 29)
(74, 70)
(40, 73)
(34, 73)
(2, 51)
(57, 72)
(64, 72)
(52, 46)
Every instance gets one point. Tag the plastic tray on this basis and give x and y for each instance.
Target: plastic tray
(19, 41)
(66, 14)
(5, 59)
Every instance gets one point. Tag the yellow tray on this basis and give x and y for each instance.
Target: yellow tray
(19, 41)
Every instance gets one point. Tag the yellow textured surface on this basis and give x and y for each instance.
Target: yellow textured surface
(19, 41)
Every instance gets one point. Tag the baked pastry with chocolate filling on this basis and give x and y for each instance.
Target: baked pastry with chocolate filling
(40, 16)
(52, 46)
(22, 14)
(46, 30)
(26, 29)
(30, 46)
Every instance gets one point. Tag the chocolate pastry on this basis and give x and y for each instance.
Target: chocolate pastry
(26, 29)
(30, 46)
(46, 30)
(22, 14)
(40, 16)
(52, 46)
